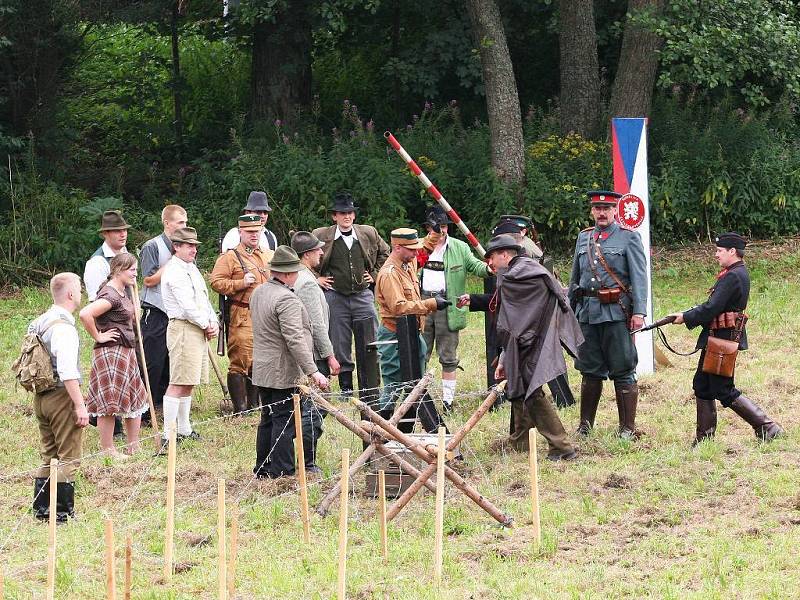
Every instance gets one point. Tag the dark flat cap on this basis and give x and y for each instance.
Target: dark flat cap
(731, 239)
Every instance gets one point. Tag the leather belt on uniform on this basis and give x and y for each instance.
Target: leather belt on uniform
(239, 304)
(582, 293)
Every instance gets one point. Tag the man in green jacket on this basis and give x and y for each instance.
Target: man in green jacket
(444, 267)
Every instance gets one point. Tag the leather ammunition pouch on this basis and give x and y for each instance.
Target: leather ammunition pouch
(726, 320)
(609, 295)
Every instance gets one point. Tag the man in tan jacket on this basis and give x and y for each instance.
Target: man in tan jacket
(236, 274)
(282, 358)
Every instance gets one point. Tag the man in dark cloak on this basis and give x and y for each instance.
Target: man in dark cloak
(533, 322)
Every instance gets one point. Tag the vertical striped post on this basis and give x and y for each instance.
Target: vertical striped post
(434, 192)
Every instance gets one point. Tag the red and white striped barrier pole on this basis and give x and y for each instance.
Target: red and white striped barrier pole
(433, 191)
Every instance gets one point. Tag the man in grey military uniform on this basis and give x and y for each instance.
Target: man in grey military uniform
(608, 292)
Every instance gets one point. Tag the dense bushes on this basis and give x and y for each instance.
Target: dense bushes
(711, 169)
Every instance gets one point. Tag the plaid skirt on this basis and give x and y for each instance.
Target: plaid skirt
(115, 385)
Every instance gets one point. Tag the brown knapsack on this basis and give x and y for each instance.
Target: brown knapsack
(34, 367)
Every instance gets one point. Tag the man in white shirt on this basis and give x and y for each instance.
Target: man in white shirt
(114, 230)
(256, 205)
(192, 321)
(60, 412)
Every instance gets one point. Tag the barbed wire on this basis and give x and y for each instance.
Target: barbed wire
(137, 526)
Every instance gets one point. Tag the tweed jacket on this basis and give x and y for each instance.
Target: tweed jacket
(282, 341)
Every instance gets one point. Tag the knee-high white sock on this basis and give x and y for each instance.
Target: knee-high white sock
(448, 391)
(170, 413)
(185, 406)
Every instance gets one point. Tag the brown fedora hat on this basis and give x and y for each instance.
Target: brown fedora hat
(185, 235)
(112, 220)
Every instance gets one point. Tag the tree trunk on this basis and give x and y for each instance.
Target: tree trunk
(281, 64)
(502, 100)
(579, 70)
(632, 93)
(177, 83)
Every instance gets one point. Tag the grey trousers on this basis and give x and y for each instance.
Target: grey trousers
(343, 311)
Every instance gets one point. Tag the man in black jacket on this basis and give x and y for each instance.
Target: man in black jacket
(726, 302)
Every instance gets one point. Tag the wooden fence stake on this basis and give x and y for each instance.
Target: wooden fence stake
(169, 541)
(382, 513)
(301, 468)
(128, 566)
(2, 585)
(111, 580)
(51, 534)
(221, 535)
(439, 524)
(233, 551)
(341, 587)
(534, 467)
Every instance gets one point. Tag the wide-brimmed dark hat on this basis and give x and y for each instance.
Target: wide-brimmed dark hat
(112, 220)
(436, 216)
(502, 242)
(303, 242)
(185, 235)
(343, 202)
(285, 260)
(257, 201)
(603, 197)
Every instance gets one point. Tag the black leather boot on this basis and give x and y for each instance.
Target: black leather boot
(253, 399)
(237, 387)
(627, 399)
(765, 428)
(65, 502)
(591, 389)
(346, 383)
(41, 498)
(706, 420)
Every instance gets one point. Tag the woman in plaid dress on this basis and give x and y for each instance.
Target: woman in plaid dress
(115, 385)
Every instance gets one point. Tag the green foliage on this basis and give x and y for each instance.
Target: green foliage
(750, 46)
(720, 168)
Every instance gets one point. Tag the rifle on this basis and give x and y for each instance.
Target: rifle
(656, 325)
(224, 314)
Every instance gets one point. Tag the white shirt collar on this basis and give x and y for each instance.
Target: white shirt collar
(338, 233)
(63, 312)
(109, 253)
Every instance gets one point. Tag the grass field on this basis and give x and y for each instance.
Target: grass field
(654, 518)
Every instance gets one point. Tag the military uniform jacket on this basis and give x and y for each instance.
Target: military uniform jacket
(227, 278)
(397, 293)
(730, 293)
(624, 254)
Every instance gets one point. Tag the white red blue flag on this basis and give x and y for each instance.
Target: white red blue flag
(629, 153)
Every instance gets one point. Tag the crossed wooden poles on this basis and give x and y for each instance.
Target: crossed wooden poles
(378, 430)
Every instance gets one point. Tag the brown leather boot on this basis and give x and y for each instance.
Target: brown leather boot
(765, 428)
(237, 389)
(706, 420)
(627, 399)
(253, 400)
(591, 389)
